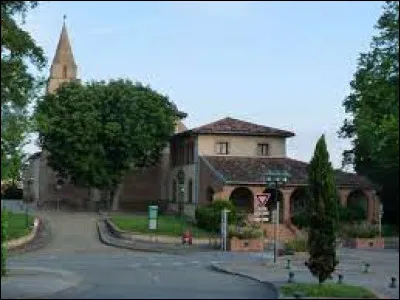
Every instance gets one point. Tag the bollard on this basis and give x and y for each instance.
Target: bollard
(340, 279)
(392, 284)
(291, 277)
(366, 267)
(288, 264)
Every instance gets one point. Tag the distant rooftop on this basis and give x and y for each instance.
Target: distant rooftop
(231, 126)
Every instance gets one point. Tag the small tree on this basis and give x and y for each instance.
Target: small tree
(322, 214)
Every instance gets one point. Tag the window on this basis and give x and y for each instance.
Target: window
(64, 71)
(190, 191)
(263, 149)
(222, 148)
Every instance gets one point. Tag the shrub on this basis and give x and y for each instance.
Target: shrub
(359, 230)
(209, 217)
(206, 218)
(246, 232)
(4, 223)
(297, 245)
(351, 213)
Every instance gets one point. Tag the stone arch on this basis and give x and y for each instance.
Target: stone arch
(276, 195)
(357, 199)
(210, 194)
(298, 201)
(242, 198)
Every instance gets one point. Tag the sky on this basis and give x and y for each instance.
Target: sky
(281, 64)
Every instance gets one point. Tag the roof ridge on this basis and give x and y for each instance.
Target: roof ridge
(233, 125)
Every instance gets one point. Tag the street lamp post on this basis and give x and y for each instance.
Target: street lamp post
(274, 179)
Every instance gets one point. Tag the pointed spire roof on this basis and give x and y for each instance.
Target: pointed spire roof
(64, 51)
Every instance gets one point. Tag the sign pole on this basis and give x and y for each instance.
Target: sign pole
(261, 213)
(380, 219)
(277, 225)
(225, 227)
(222, 231)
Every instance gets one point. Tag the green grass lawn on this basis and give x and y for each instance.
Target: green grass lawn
(17, 225)
(166, 225)
(327, 290)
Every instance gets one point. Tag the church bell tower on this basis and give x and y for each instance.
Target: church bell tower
(63, 68)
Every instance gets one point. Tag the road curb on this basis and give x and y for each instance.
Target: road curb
(220, 269)
(113, 241)
(20, 242)
(110, 237)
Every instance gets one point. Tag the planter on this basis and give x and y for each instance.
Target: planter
(365, 243)
(244, 245)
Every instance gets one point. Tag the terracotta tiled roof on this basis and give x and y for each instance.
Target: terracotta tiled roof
(250, 170)
(233, 126)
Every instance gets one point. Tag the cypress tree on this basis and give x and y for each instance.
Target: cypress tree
(322, 214)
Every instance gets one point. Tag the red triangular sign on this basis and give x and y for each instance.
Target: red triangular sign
(263, 199)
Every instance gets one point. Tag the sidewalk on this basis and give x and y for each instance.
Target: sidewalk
(383, 266)
(30, 283)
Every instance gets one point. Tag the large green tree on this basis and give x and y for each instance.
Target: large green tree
(95, 133)
(373, 105)
(323, 212)
(20, 58)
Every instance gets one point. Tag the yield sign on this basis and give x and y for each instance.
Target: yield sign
(263, 199)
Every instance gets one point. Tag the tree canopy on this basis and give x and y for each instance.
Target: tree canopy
(94, 133)
(19, 85)
(373, 105)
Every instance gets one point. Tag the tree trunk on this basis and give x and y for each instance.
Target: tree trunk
(117, 193)
(95, 194)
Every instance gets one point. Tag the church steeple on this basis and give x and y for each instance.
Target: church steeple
(63, 68)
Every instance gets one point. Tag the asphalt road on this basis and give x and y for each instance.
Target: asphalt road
(112, 273)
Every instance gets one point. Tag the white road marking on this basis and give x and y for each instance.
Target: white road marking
(136, 265)
(157, 264)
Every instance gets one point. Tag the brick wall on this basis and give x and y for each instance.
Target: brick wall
(207, 178)
(142, 186)
(285, 234)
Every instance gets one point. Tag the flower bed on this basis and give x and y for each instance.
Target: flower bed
(365, 243)
(243, 245)
(361, 235)
(246, 238)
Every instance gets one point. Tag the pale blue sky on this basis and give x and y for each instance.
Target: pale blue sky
(282, 64)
